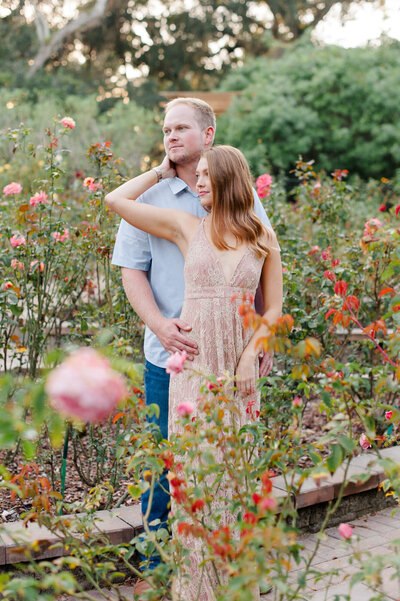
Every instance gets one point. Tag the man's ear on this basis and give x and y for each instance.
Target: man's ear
(209, 136)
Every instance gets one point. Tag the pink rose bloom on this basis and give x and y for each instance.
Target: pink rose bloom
(93, 186)
(185, 408)
(17, 240)
(389, 414)
(371, 226)
(175, 363)
(13, 188)
(61, 237)
(263, 184)
(85, 386)
(88, 181)
(268, 503)
(345, 530)
(15, 264)
(68, 123)
(297, 402)
(38, 198)
(364, 442)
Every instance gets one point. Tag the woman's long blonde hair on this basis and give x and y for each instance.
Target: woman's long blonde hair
(233, 201)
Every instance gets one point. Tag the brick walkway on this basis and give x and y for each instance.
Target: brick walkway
(372, 533)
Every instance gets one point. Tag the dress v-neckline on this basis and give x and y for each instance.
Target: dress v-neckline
(217, 259)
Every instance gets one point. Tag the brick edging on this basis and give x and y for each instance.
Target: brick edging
(122, 524)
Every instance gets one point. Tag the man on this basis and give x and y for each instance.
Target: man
(152, 268)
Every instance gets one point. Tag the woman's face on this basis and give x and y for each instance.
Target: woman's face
(203, 185)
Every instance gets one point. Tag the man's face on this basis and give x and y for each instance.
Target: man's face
(183, 138)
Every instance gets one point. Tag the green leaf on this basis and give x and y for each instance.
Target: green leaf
(347, 443)
(335, 459)
(135, 491)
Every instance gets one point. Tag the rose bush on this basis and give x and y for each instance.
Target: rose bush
(337, 346)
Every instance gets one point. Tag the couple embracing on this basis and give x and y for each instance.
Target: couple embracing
(196, 236)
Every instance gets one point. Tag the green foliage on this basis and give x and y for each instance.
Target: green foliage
(336, 106)
(133, 130)
(341, 271)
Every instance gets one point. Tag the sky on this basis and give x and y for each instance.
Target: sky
(365, 24)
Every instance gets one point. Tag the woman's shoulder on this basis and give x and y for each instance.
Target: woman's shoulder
(269, 238)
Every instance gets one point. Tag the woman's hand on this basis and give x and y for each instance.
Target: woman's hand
(166, 168)
(246, 373)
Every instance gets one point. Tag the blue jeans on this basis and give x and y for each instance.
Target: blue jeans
(156, 384)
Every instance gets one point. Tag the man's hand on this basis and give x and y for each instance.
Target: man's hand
(266, 364)
(171, 334)
(167, 169)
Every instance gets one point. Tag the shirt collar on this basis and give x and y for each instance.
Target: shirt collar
(177, 185)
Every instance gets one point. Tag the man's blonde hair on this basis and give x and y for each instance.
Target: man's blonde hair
(205, 115)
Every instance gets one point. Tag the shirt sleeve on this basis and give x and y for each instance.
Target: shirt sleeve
(260, 211)
(132, 248)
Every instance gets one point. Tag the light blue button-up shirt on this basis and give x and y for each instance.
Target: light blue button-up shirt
(161, 258)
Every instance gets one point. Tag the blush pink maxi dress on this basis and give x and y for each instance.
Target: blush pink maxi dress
(217, 328)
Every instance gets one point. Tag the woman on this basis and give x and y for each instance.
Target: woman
(226, 253)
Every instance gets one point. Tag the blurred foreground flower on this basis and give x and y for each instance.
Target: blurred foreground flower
(185, 408)
(13, 188)
(85, 386)
(345, 530)
(364, 442)
(175, 363)
(68, 123)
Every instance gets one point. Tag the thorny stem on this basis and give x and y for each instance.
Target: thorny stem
(378, 346)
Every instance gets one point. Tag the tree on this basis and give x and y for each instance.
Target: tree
(336, 106)
(178, 47)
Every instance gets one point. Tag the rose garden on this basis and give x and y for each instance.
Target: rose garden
(75, 433)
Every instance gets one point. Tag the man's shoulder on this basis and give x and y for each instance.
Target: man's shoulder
(160, 193)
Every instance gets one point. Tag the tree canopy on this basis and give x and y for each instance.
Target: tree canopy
(336, 106)
(105, 40)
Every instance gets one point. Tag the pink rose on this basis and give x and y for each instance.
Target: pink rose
(68, 123)
(85, 386)
(17, 240)
(38, 198)
(61, 237)
(345, 530)
(371, 226)
(263, 184)
(326, 254)
(15, 264)
(364, 442)
(185, 408)
(175, 363)
(297, 402)
(389, 414)
(93, 186)
(268, 503)
(13, 188)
